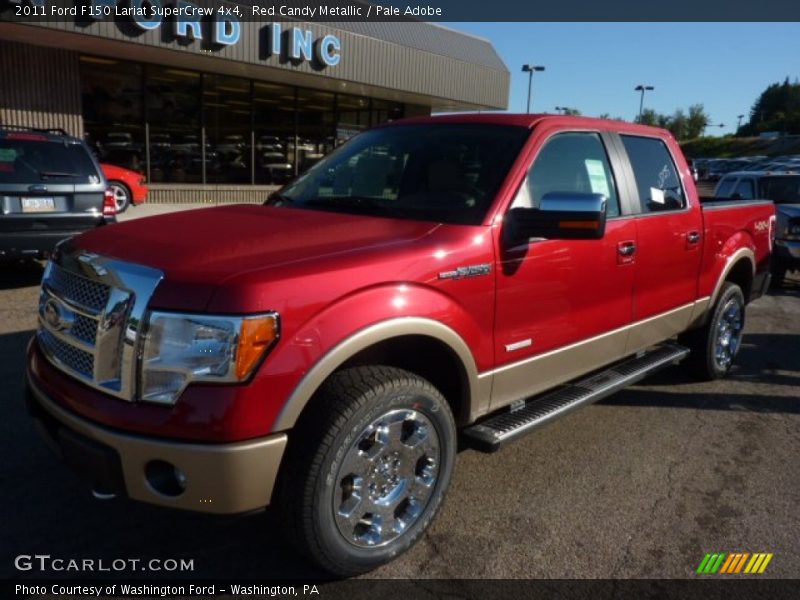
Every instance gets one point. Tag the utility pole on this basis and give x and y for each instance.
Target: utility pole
(642, 88)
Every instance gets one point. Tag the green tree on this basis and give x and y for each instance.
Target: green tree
(776, 109)
(677, 124)
(648, 117)
(696, 121)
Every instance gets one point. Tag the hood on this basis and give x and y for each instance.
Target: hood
(204, 247)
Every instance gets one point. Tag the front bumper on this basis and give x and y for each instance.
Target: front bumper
(219, 478)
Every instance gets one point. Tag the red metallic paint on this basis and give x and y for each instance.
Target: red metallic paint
(330, 275)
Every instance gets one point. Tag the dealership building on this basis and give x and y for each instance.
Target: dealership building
(222, 109)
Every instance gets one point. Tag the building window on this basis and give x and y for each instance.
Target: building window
(353, 117)
(383, 111)
(315, 126)
(181, 126)
(228, 112)
(274, 108)
(113, 115)
(173, 118)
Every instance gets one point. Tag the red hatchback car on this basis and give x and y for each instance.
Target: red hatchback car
(126, 185)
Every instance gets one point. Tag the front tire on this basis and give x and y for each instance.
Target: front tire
(368, 469)
(122, 195)
(715, 345)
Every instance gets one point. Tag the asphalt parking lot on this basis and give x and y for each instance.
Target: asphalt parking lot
(641, 485)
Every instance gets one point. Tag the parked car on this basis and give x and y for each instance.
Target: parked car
(51, 188)
(128, 187)
(783, 188)
(322, 352)
(693, 169)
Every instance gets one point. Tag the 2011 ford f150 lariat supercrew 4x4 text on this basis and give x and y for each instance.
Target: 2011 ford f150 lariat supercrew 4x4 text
(472, 276)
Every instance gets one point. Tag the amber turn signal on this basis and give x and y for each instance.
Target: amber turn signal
(255, 338)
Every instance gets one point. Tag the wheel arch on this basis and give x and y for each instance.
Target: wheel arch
(740, 269)
(426, 347)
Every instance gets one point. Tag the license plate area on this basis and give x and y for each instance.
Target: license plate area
(38, 204)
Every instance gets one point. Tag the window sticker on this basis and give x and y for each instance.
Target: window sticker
(8, 155)
(657, 195)
(597, 177)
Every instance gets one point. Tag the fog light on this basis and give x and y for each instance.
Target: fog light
(165, 478)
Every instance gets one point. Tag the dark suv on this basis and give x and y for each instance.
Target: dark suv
(51, 188)
(783, 188)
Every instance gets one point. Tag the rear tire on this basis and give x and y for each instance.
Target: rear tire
(714, 345)
(367, 470)
(122, 195)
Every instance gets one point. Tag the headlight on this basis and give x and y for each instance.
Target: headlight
(183, 348)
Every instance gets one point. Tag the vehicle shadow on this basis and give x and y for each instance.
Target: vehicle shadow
(770, 359)
(49, 511)
(762, 403)
(790, 287)
(19, 274)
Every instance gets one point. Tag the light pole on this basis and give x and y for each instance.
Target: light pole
(642, 88)
(529, 69)
(739, 122)
(720, 125)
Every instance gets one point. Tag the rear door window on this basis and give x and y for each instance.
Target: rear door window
(656, 176)
(24, 159)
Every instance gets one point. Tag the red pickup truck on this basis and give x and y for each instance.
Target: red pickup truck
(472, 276)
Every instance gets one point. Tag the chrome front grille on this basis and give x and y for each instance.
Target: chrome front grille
(90, 312)
(85, 329)
(74, 358)
(79, 290)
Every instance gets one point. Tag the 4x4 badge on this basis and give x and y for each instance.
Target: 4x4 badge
(469, 271)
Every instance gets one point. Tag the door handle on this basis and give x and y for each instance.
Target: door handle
(625, 252)
(692, 237)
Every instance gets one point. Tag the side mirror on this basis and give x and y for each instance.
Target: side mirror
(560, 216)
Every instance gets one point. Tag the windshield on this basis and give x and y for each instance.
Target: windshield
(443, 172)
(43, 161)
(781, 190)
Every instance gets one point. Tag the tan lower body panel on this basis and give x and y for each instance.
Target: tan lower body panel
(546, 371)
(220, 478)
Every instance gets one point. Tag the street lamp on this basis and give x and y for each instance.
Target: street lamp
(739, 123)
(642, 88)
(529, 69)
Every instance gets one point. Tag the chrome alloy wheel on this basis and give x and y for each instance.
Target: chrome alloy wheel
(386, 478)
(728, 335)
(121, 199)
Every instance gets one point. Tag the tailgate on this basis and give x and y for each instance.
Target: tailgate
(56, 207)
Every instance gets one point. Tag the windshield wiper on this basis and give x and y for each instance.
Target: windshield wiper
(276, 199)
(347, 202)
(45, 174)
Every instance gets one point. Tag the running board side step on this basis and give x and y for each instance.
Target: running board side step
(496, 431)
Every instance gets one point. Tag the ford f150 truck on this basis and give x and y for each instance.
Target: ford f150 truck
(435, 279)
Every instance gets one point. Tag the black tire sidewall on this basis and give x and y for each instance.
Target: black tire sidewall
(730, 291)
(348, 557)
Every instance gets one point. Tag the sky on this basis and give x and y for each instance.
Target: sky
(594, 67)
